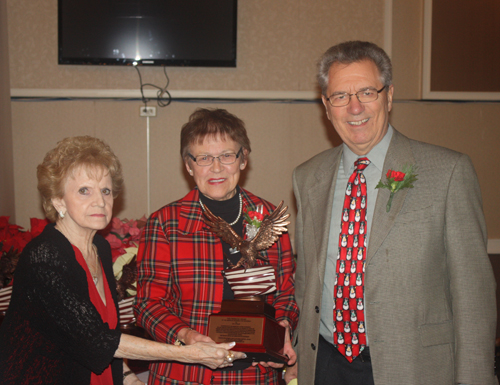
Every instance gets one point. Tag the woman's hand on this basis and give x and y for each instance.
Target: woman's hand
(189, 336)
(287, 350)
(216, 355)
(210, 354)
(205, 353)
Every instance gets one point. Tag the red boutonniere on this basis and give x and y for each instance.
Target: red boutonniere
(253, 219)
(398, 180)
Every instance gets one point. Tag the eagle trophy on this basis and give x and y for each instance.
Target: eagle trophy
(272, 226)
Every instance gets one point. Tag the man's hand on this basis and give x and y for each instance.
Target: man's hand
(287, 350)
(291, 373)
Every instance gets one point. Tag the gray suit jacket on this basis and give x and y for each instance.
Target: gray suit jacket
(429, 287)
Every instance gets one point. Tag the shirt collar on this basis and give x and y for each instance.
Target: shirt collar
(376, 155)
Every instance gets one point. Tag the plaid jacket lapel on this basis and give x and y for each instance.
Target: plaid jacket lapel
(191, 214)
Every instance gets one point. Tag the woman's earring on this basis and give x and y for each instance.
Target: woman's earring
(61, 214)
(190, 172)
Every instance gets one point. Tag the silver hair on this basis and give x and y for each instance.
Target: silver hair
(352, 52)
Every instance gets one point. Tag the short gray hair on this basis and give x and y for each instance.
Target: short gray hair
(352, 52)
(213, 123)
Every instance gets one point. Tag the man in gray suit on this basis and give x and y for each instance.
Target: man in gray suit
(427, 310)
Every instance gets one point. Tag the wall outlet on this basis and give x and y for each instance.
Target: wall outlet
(147, 111)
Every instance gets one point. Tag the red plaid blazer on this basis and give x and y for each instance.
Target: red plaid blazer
(180, 284)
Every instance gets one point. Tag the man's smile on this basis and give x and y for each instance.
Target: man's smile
(359, 122)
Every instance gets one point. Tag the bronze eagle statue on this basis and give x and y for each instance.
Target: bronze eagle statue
(272, 226)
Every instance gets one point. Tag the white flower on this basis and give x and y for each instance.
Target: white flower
(121, 261)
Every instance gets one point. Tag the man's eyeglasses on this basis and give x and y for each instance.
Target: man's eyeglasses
(364, 96)
(207, 160)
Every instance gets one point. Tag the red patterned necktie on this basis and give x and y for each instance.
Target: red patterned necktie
(348, 311)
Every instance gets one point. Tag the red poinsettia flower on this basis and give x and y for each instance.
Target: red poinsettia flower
(6, 229)
(12, 237)
(37, 226)
(123, 234)
(4, 222)
(118, 227)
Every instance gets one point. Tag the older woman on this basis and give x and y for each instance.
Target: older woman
(62, 324)
(180, 261)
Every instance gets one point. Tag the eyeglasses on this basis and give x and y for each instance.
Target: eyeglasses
(207, 160)
(364, 96)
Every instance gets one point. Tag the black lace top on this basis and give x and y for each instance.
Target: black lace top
(52, 334)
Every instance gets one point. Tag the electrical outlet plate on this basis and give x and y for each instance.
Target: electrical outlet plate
(147, 111)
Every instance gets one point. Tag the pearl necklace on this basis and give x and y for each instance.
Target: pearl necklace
(239, 214)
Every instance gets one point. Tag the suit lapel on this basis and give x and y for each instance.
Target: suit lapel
(320, 197)
(398, 155)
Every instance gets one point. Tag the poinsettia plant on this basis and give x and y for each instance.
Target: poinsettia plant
(13, 239)
(123, 237)
(123, 234)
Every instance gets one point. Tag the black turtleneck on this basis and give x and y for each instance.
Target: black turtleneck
(227, 210)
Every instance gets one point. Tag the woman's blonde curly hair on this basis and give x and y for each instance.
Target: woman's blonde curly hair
(69, 154)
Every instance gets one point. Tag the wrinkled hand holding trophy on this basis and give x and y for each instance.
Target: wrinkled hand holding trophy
(248, 319)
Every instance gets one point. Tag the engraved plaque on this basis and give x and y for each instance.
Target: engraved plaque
(252, 326)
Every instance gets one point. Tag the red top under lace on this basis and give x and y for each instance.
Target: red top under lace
(107, 312)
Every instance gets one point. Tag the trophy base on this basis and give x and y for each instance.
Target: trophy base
(252, 326)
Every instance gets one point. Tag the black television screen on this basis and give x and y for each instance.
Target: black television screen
(148, 32)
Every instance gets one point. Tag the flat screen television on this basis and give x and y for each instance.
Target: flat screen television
(148, 32)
